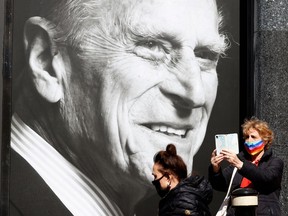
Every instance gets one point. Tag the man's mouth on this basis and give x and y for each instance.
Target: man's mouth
(167, 130)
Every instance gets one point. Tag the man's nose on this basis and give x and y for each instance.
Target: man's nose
(186, 90)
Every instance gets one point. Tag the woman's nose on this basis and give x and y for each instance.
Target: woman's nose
(249, 139)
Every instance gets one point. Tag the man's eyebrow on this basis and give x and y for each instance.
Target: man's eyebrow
(218, 45)
(152, 33)
(219, 48)
(155, 34)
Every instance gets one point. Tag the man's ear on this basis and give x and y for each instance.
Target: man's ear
(45, 61)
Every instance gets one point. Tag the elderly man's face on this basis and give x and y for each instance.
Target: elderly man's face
(151, 82)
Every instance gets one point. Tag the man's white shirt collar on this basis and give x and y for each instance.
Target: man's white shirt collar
(80, 195)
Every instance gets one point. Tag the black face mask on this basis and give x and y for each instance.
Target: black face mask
(161, 192)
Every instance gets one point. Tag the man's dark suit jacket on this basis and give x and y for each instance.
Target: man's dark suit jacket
(29, 194)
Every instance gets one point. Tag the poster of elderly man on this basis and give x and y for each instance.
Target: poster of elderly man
(100, 86)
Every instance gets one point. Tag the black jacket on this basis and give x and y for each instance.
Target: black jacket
(266, 179)
(190, 197)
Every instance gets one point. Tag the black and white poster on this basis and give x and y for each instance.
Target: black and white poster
(100, 86)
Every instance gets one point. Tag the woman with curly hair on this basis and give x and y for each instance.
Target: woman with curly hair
(257, 168)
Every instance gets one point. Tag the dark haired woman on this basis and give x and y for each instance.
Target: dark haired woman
(257, 168)
(179, 195)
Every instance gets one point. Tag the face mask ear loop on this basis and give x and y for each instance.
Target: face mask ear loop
(169, 181)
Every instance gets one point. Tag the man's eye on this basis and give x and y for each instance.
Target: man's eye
(207, 54)
(151, 50)
(207, 59)
(151, 45)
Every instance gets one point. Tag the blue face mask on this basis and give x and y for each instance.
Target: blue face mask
(255, 147)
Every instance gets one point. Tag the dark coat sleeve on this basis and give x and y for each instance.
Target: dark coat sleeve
(266, 177)
(220, 181)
